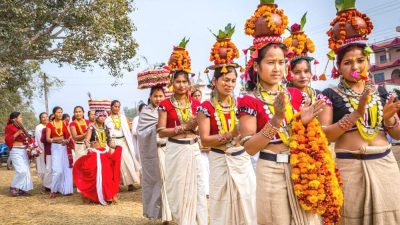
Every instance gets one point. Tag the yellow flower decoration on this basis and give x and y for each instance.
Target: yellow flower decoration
(317, 182)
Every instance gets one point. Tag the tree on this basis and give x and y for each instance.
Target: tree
(77, 32)
(82, 33)
(16, 91)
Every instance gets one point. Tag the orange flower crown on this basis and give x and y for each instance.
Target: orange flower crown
(180, 59)
(224, 50)
(349, 26)
(266, 25)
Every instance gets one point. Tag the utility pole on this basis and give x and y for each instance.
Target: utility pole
(45, 92)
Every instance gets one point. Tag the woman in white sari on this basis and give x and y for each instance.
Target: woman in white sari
(121, 135)
(16, 141)
(61, 156)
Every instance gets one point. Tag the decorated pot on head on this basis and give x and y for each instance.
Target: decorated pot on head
(266, 25)
(99, 105)
(299, 46)
(224, 51)
(349, 27)
(152, 77)
(178, 61)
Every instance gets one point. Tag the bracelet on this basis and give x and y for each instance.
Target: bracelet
(160, 129)
(269, 131)
(345, 122)
(179, 129)
(244, 140)
(395, 124)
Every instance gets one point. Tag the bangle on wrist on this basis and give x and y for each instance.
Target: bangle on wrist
(244, 140)
(269, 131)
(345, 123)
(395, 124)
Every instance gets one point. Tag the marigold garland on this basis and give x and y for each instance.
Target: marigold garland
(343, 17)
(317, 182)
(265, 10)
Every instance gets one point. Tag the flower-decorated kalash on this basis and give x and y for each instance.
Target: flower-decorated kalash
(299, 73)
(300, 151)
(350, 26)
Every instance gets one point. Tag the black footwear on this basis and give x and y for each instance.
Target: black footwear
(130, 187)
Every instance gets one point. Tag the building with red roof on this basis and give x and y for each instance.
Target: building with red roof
(387, 62)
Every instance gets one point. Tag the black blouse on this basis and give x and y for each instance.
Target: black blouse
(339, 105)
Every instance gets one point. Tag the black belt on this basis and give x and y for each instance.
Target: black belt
(119, 137)
(275, 142)
(283, 158)
(228, 153)
(348, 155)
(394, 144)
(79, 143)
(161, 145)
(183, 142)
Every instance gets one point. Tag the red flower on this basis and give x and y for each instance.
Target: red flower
(295, 27)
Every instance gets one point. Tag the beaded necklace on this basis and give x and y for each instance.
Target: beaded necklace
(116, 122)
(219, 115)
(61, 133)
(101, 136)
(80, 125)
(182, 112)
(268, 99)
(370, 123)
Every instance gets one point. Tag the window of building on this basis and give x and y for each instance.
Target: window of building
(382, 59)
(379, 77)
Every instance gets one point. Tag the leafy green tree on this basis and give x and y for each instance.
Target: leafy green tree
(77, 32)
(81, 33)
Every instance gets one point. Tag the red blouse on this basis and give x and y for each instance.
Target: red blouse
(172, 116)
(9, 132)
(54, 133)
(209, 111)
(78, 131)
(250, 105)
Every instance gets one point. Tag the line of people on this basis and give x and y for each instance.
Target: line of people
(62, 146)
(298, 179)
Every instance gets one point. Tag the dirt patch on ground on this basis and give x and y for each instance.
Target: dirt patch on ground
(40, 209)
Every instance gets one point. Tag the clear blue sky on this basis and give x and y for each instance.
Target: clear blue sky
(161, 24)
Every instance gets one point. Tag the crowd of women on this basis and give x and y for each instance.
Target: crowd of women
(299, 178)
